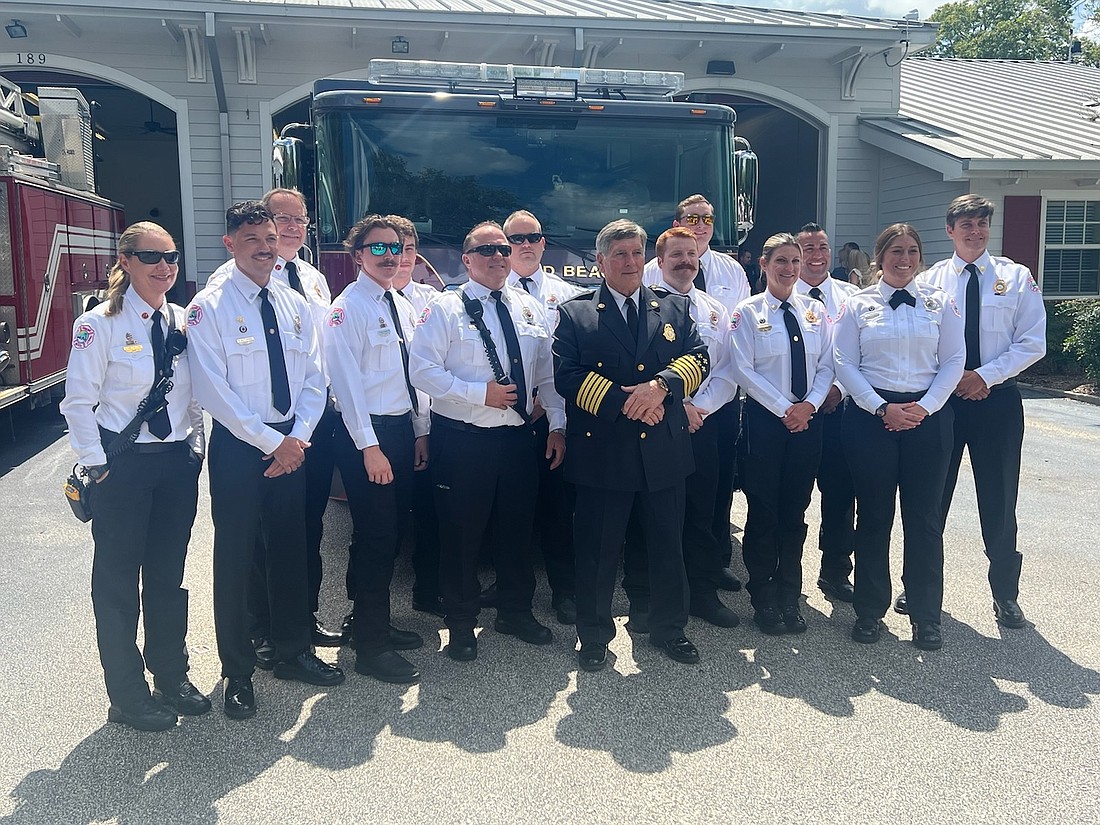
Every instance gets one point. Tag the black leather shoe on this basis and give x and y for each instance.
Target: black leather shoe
(387, 667)
(463, 646)
(838, 589)
(710, 609)
(488, 597)
(323, 637)
(678, 649)
(638, 618)
(240, 698)
(901, 604)
(143, 715)
(867, 631)
(347, 629)
(792, 618)
(592, 657)
(433, 605)
(306, 667)
(927, 636)
(1009, 613)
(566, 609)
(405, 639)
(265, 654)
(183, 697)
(725, 580)
(525, 628)
(770, 621)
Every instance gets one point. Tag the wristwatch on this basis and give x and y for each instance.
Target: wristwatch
(881, 411)
(663, 384)
(97, 472)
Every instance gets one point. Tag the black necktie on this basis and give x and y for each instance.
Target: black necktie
(902, 297)
(276, 363)
(159, 425)
(400, 292)
(700, 280)
(632, 318)
(292, 276)
(816, 294)
(973, 320)
(404, 350)
(515, 359)
(526, 284)
(798, 352)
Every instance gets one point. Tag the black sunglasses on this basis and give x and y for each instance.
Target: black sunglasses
(488, 250)
(530, 237)
(153, 256)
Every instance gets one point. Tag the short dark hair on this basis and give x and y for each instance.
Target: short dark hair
(810, 227)
(970, 206)
(363, 227)
(690, 200)
(470, 235)
(406, 229)
(250, 212)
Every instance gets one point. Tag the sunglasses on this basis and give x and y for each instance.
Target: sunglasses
(301, 220)
(379, 249)
(693, 220)
(153, 256)
(488, 250)
(530, 237)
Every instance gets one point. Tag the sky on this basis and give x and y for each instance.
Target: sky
(896, 9)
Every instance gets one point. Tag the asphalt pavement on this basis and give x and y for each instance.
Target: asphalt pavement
(1001, 726)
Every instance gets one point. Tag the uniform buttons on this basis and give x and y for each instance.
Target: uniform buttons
(641, 367)
(643, 435)
(588, 435)
(599, 363)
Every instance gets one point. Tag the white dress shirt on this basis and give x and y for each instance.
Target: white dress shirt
(420, 295)
(909, 349)
(549, 290)
(762, 350)
(447, 359)
(725, 277)
(230, 372)
(719, 387)
(111, 370)
(1013, 320)
(363, 351)
(835, 294)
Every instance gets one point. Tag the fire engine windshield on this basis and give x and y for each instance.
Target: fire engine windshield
(448, 170)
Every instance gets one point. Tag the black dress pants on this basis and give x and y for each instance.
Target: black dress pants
(248, 507)
(425, 557)
(727, 421)
(883, 463)
(836, 538)
(486, 480)
(144, 510)
(377, 515)
(554, 519)
(779, 468)
(993, 431)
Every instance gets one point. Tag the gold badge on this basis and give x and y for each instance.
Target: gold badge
(931, 304)
(528, 316)
(811, 316)
(669, 333)
(1000, 287)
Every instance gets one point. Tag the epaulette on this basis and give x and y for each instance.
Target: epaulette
(660, 291)
(587, 295)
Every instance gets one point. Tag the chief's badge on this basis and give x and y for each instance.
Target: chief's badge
(1000, 287)
(669, 333)
(812, 317)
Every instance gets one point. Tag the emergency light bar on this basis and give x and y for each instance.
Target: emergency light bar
(524, 81)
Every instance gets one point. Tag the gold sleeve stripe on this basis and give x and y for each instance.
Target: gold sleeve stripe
(689, 371)
(592, 392)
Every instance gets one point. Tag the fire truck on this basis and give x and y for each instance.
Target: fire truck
(449, 145)
(57, 238)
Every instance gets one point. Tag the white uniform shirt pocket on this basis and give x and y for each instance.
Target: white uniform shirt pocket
(245, 359)
(998, 313)
(129, 368)
(385, 349)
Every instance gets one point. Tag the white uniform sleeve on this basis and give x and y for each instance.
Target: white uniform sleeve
(344, 346)
(951, 354)
(720, 386)
(83, 383)
(428, 355)
(759, 388)
(846, 360)
(823, 376)
(1029, 337)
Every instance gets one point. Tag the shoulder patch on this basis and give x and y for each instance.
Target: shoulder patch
(83, 336)
(194, 315)
(1031, 284)
(735, 320)
(336, 317)
(423, 319)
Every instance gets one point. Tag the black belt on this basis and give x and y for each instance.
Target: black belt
(383, 421)
(462, 426)
(281, 427)
(106, 436)
(899, 397)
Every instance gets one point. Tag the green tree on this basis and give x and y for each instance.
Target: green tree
(1007, 29)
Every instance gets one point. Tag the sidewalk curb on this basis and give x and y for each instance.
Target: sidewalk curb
(1052, 393)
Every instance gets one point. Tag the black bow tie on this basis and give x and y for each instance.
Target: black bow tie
(902, 297)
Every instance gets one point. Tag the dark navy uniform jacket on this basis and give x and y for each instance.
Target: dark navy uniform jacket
(594, 358)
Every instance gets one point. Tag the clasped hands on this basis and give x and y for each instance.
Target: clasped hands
(287, 457)
(645, 403)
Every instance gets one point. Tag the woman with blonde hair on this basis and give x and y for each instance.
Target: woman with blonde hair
(127, 353)
(860, 271)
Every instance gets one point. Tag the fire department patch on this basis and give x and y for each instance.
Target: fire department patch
(194, 315)
(83, 337)
(336, 317)
(423, 319)
(1034, 287)
(735, 320)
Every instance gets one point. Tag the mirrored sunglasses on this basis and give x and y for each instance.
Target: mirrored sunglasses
(379, 249)
(693, 220)
(488, 250)
(153, 256)
(530, 237)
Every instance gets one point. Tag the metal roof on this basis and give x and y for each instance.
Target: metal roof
(994, 114)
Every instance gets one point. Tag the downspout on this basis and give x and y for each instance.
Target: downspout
(223, 111)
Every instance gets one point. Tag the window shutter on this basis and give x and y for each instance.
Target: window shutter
(1021, 230)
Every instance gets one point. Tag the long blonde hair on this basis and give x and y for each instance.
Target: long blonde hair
(118, 279)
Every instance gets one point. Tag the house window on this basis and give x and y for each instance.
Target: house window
(1071, 253)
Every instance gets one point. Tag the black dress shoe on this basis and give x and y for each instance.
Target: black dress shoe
(638, 618)
(488, 597)
(265, 654)
(867, 631)
(183, 697)
(433, 605)
(770, 621)
(901, 604)
(1009, 613)
(525, 628)
(240, 698)
(463, 646)
(405, 639)
(792, 618)
(592, 657)
(725, 580)
(710, 609)
(144, 714)
(387, 667)
(838, 589)
(347, 629)
(323, 637)
(306, 667)
(566, 609)
(927, 636)
(678, 649)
